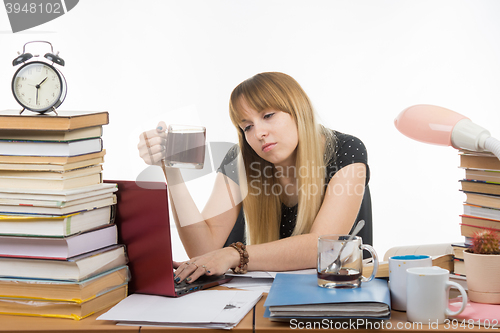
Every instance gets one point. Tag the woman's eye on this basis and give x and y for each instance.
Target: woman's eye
(269, 115)
(247, 128)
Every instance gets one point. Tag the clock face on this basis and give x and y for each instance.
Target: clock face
(38, 86)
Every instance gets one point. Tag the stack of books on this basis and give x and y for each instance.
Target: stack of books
(59, 251)
(481, 209)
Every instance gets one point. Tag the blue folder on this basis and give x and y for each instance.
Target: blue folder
(303, 289)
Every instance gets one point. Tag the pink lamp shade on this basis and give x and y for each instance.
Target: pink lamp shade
(428, 123)
(440, 126)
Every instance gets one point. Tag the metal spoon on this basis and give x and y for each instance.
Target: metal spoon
(335, 266)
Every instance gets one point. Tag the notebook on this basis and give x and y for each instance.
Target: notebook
(142, 218)
(299, 296)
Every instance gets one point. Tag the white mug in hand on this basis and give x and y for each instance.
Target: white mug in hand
(427, 295)
(397, 276)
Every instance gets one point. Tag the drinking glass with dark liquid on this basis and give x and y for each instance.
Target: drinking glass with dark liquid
(348, 272)
(185, 147)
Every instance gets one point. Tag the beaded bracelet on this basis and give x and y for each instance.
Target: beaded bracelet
(242, 267)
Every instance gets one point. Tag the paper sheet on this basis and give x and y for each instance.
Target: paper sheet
(207, 308)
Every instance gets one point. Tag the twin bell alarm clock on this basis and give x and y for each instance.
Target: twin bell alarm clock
(38, 85)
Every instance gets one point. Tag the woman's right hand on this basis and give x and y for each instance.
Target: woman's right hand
(152, 144)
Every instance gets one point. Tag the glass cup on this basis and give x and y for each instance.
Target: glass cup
(185, 147)
(349, 273)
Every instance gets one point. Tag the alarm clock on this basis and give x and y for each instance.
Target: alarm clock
(38, 85)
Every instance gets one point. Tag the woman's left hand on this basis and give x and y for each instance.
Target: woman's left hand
(212, 263)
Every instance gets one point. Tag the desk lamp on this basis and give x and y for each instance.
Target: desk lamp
(440, 126)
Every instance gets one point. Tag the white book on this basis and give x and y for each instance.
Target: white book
(482, 212)
(50, 167)
(58, 248)
(75, 269)
(47, 148)
(50, 184)
(55, 226)
(57, 195)
(15, 174)
(41, 135)
(97, 202)
(55, 204)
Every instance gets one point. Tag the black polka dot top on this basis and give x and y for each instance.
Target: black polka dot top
(348, 150)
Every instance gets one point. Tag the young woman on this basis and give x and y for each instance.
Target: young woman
(293, 179)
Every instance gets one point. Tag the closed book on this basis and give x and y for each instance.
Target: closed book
(63, 309)
(458, 250)
(62, 121)
(50, 184)
(459, 267)
(15, 174)
(78, 206)
(49, 160)
(47, 198)
(58, 248)
(299, 296)
(64, 290)
(480, 222)
(55, 226)
(42, 135)
(480, 187)
(75, 269)
(469, 231)
(483, 212)
(50, 167)
(480, 161)
(492, 201)
(48, 148)
(489, 176)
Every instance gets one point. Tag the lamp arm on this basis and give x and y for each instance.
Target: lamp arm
(493, 145)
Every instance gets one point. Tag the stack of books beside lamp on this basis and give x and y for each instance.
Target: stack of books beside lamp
(59, 251)
(481, 186)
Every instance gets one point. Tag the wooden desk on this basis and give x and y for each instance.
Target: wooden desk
(397, 322)
(24, 324)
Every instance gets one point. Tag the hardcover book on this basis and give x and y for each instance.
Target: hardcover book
(74, 269)
(58, 248)
(62, 121)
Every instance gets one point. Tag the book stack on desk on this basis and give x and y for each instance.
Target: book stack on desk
(481, 208)
(481, 186)
(59, 251)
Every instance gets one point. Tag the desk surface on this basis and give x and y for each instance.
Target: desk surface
(35, 324)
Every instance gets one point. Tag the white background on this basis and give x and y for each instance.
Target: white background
(361, 62)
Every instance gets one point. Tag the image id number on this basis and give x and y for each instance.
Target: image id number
(33, 8)
(469, 324)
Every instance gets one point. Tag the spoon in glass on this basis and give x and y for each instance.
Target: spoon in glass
(335, 266)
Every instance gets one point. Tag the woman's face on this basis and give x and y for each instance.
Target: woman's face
(272, 135)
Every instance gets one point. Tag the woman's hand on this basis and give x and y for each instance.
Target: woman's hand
(152, 144)
(212, 263)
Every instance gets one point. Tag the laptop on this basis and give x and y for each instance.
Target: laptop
(142, 217)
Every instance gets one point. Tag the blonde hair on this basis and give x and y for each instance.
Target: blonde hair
(262, 209)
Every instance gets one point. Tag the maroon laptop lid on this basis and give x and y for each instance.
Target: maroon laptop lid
(142, 218)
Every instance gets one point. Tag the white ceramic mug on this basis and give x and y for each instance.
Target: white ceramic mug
(397, 276)
(427, 295)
